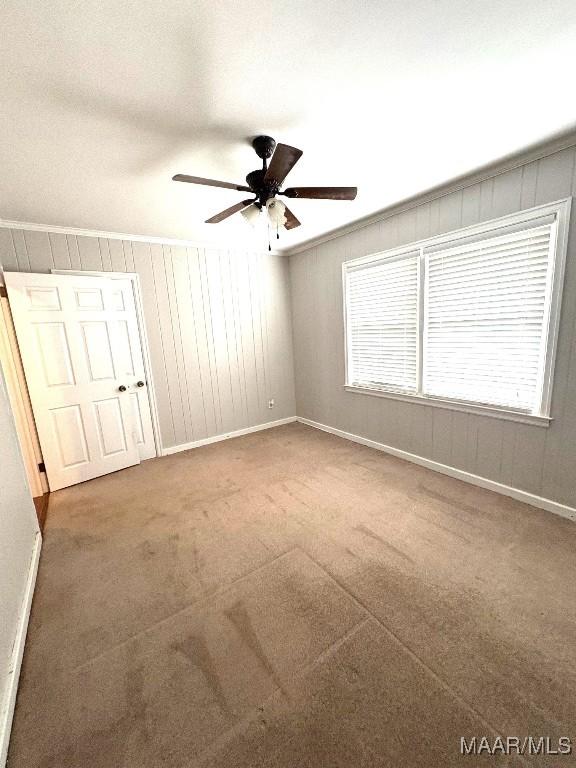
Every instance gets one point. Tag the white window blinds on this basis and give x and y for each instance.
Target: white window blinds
(486, 314)
(382, 324)
(466, 320)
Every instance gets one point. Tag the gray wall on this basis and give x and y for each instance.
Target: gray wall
(18, 532)
(218, 325)
(531, 458)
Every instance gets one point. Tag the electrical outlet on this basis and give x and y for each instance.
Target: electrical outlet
(271, 403)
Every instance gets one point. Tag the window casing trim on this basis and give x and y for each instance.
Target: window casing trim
(454, 405)
(560, 211)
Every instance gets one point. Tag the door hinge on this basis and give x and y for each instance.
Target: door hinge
(41, 467)
(3, 292)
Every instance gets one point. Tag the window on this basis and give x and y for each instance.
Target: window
(383, 323)
(467, 320)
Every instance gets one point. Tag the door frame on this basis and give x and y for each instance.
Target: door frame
(19, 398)
(134, 277)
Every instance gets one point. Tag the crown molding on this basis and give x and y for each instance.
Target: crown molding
(534, 152)
(76, 231)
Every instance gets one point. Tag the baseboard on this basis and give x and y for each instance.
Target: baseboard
(226, 436)
(459, 474)
(7, 711)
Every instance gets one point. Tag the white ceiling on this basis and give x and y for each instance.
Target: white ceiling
(103, 101)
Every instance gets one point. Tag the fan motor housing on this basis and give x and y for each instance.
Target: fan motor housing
(263, 189)
(255, 180)
(264, 146)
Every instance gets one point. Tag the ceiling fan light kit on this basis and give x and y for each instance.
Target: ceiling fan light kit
(276, 212)
(252, 215)
(266, 183)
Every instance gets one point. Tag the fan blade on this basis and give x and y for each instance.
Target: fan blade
(322, 193)
(210, 182)
(291, 220)
(229, 211)
(283, 160)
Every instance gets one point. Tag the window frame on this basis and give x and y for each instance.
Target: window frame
(560, 211)
(390, 256)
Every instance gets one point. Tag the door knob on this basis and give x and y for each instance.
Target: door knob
(121, 388)
(139, 383)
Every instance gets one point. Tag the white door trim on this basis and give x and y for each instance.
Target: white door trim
(20, 402)
(135, 278)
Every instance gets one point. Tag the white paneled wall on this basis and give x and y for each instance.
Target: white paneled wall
(531, 458)
(218, 324)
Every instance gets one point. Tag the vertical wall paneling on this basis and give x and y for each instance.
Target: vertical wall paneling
(192, 393)
(21, 251)
(73, 252)
(142, 262)
(203, 341)
(263, 321)
(486, 199)
(532, 458)
(39, 251)
(166, 322)
(230, 347)
(238, 285)
(233, 265)
(125, 254)
(555, 174)
(528, 191)
(174, 330)
(129, 249)
(507, 193)
(210, 338)
(559, 173)
(250, 356)
(117, 256)
(90, 257)
(218, 324)
(220, 343)
(435, 217)
(459, 443)
(60, 252)
(489, 441)
(105, 255)
(8, 258)
(471, 205)
(256, 324)
(278, 314)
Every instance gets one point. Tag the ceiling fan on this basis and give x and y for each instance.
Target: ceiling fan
(265, 185)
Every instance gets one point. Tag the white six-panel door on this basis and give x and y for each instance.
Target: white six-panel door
(79, 343)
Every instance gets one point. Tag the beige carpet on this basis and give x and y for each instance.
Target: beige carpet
(291, 599)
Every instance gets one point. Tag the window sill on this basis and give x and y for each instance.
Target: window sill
(452, 405)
